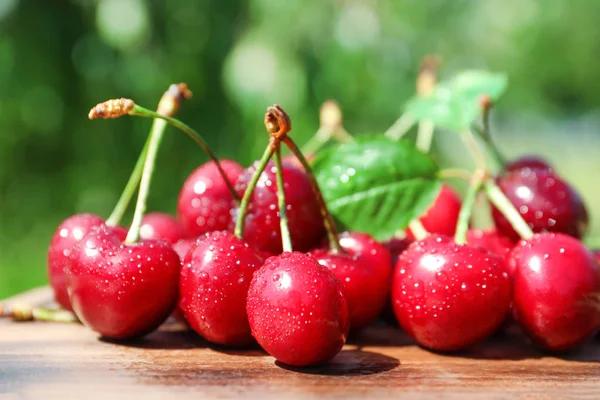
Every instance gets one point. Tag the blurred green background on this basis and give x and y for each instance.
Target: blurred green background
(59, 58)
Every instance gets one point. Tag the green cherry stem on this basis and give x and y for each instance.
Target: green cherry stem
(417, 229)
(449, 173)
(466, 209)
(283, 219)
(22, 313)
(245, 203)
(400, 127)
(473, 146)
(319, 139)
(425, 136)
(156, 135)
(117, 215)
(503, 204)
(144, 112)
(332, 233)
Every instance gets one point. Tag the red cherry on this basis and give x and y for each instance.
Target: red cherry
(122, 291)
(449, 296)
(491, 241)
(545, 201)
(216, 273)
(527, 162)
(161, 226)
(297, 311)
(556, 291)
(181, 248)
(365, 273)
(442, 215)
(205, 203)
(262, 220)
(69, 232)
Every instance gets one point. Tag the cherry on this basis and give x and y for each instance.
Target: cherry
(449, 296)
(161, 226)
(546, 202)
(527, 162)
(297, 311)
(365, 273)
(205, 202)
(262, 220)
(181, 248)
(122, 291)
(442, 215)
(69, 232)
(556, 291)
(216, 273)
(491, 241)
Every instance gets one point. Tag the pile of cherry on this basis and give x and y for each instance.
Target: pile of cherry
(225, 265)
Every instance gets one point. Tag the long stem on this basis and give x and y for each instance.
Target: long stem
(132, 183)
(241, 217)
(474, 149)
(144, 112)
(417, 229)
(467, 207)
(317, 141)
(425, 136)
(493, 150)
(400, 127)
(22, 313)
(507, 209)
(283, 219)
(328, 221)
(448, 173)
(156, 135)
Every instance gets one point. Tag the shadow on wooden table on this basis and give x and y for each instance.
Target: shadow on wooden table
(167, 337)
(350, 363)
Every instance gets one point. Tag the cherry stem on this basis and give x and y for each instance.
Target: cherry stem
(449, 173)
(503, 204)
(425, 136)
(283, 219)
(245, 203)
(319, 139)
(22, 313)
(117, 215)
(332, 233)
(400, 127)
(418, 230)
(156, 135)
(331, 127)
(144, 112)
(498, 158)
(474, 148)
(466, 209)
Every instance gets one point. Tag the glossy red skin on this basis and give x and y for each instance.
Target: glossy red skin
(297, 311)
(122, 291)
(161, 226)
(442, 216)
(447, 296)
(205, 203)
(366, 284)
(395, 247)
(69, 232)
(556, 291)
(491, 241)
(181, 248)
(262, 229)
(215, 277)
(546, 202)
(527, 161)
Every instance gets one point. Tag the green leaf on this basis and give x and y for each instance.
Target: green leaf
(454, 104)
(376, 185)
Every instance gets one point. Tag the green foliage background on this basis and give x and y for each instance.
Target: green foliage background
(58, 58)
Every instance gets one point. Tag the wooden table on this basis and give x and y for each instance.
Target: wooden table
(67, 361)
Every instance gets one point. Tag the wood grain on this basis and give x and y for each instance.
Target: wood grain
(67, 361)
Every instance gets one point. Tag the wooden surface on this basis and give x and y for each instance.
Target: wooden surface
(67, 361)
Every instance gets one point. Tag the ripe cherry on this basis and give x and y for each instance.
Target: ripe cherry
(442, 215)
(122, 291)
(556, 291)
(491, 241)
(545, 201)
(365, 272)
(262, 220)
(161, 226)
(449, 296)
(69, 232)
(215, 276)
(297, 311)
(205, 202)
(527, 162)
